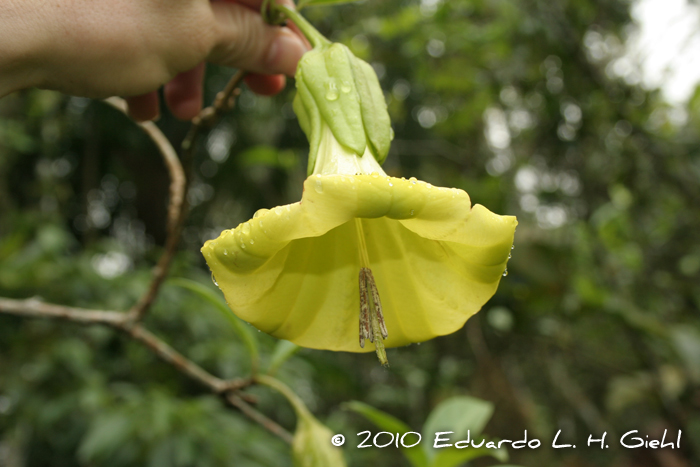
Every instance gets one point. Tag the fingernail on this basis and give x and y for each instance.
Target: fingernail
(285, 52)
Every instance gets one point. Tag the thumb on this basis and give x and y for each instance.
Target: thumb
(244, 40)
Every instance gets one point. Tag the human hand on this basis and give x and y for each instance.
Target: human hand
(98, 48)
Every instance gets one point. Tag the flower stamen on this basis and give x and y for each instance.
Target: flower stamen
(372, 325)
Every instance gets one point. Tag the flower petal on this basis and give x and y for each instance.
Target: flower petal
(292, 271)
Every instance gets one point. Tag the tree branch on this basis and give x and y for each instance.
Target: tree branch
(35, 308)
(176, 210)
(230, 390)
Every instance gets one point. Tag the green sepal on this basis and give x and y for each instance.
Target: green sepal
(309, 118)
(375, 117)
(327, 73)
(342, 91)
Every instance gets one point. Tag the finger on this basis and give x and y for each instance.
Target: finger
(143, 107)
(245, 41)
(256, 4)
(265, 85)
(183, 94)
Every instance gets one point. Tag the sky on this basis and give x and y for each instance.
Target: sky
(665, 47)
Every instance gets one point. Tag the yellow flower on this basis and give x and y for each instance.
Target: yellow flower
(293, 271)
(363, 256)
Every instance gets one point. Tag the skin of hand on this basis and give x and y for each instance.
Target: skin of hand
(99, 48)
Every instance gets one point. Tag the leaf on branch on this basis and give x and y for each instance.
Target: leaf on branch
(242, 329)
(386, 422)
(284, 350)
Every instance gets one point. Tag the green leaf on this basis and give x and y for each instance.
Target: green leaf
(460, 415)
(283, 352)
(106, 434)
(215, 299)
(391, 424)
(305, 3)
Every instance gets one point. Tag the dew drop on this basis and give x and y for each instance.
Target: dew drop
(225, 252)
(510, 256)
(213, 279)
(245, 229)
(413, 180)
(319, 186)
(331, 90)
(512, 247)
(260, 212)
(345, 87)
(505, 273)
(242, 246)
(374, 174)
(252, 241)
(413, 212)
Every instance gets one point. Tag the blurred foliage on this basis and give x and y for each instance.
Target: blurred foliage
(522, 104)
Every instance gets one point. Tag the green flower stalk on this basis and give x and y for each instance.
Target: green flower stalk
(311, 446)
(424, 258)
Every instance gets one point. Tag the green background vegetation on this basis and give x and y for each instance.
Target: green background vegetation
(596, 327)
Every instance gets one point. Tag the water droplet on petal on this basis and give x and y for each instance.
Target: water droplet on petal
(318, 186)
(245, 229)
(345, 87)
(225, 252)
(413, 180)
(242, 246)
(213, 279)
(505, 273)
(260, 212)
(252, 241)
(374, 174)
